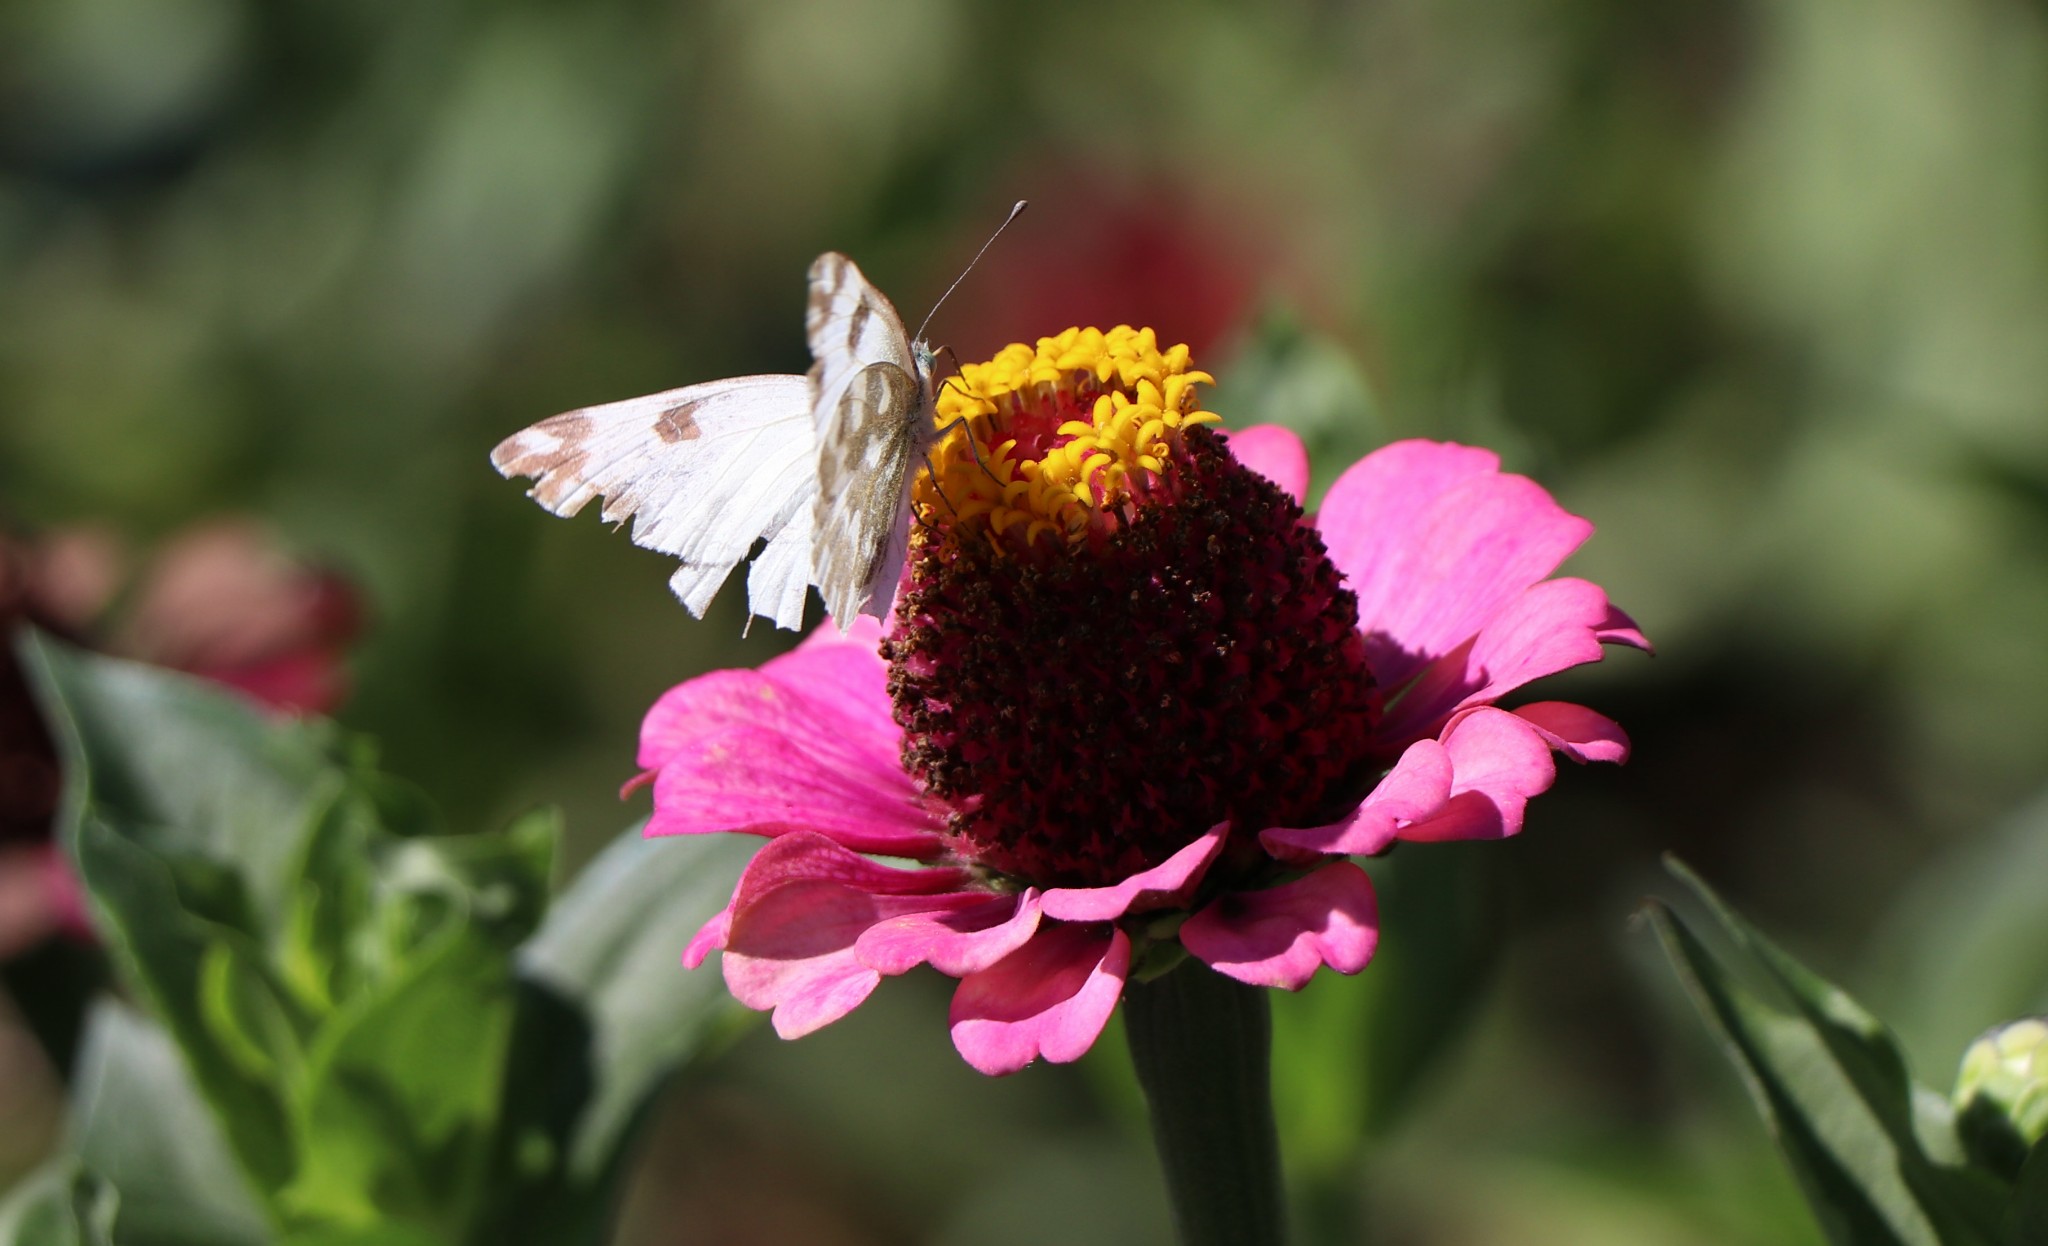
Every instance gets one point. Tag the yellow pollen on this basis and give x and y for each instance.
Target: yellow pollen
(1125, 404)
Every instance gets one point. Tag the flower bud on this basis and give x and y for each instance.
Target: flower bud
(2001, 1095)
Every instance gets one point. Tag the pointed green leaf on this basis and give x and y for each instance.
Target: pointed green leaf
(1834, 1089)
(342, 991)
(399, 1108)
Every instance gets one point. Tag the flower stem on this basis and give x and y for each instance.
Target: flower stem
(1203, 1047)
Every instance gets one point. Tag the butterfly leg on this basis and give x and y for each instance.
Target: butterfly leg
(932, 474)
(972, 449)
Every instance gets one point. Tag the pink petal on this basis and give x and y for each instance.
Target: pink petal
(710, 937)
(804, 743)
(1435, 541)
(1280, 936)
(790, 942)
(806, 992)
(955, 942)
(1576, 731)
(1415, 788)
(1275, 453)
(1166, 885)
(1500, 761)
(806, 856)
(1548, 627)
(1049, 998)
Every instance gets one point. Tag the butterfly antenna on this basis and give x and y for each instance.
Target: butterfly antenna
(1015, 212)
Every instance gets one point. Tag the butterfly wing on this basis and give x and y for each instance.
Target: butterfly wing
(850, 325)
(702, 472)
(864, 462)
(873, 409)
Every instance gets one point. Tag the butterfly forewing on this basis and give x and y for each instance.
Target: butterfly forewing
(850, 324)
(702, 472)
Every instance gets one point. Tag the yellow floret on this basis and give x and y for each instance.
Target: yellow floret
(1139, 399)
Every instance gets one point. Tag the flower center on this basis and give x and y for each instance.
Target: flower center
(1055, 442)
(1115, 636)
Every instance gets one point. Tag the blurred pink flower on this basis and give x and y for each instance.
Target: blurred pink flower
(1168, 731)
(219, 600)
(222, 601)
(1177, 257)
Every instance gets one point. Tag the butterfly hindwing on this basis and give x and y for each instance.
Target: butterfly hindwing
(864, 461)
(873, 419)
(702, 472)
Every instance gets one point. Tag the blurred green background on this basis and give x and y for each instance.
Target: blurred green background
(1762, 289)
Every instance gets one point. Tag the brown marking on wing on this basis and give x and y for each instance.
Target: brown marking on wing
(557, 466)
(860, 478)
(857, 322)
(678, 424)
(828, 278)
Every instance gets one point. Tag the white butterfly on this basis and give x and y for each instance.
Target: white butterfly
(820, 467)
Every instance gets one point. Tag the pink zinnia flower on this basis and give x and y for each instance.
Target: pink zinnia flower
(1133, 704)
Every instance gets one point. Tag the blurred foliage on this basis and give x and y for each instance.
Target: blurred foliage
(1759, 288)
(355, 1027)
(59, 1206)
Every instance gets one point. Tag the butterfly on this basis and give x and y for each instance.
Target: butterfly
(820, 466)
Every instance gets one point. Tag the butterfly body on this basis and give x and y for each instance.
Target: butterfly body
(819, 467)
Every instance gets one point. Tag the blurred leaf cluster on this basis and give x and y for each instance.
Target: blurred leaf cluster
(356, 1027)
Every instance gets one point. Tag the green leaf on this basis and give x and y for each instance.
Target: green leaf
(1832, 1085)
(137, 1120)
(59, 1205)
(399, 1107)
(401, 1100)
(342, 995)
(606, 1013)
(166, 952)
(186, 768)
(185, 811)
(613, 947)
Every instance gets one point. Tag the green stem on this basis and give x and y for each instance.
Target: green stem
(1203, 1046)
